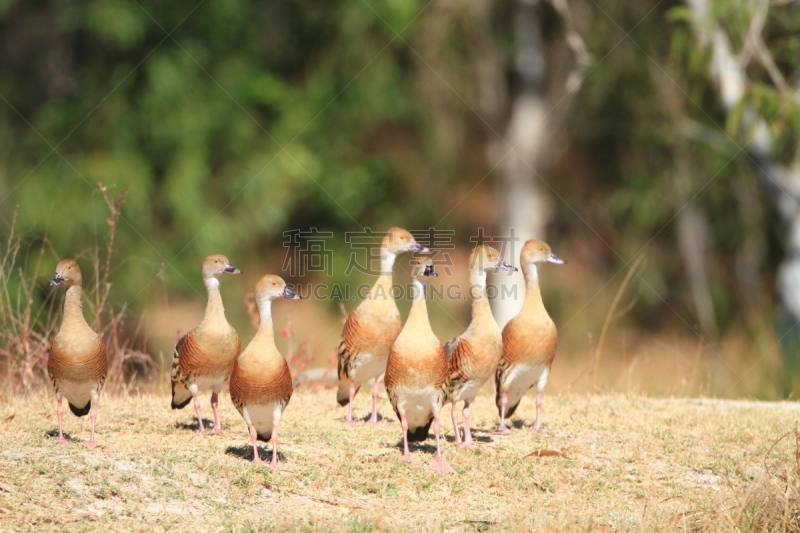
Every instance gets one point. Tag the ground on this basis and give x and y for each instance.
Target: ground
(618, 462)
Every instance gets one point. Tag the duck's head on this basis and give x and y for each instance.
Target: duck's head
(217, 264)
(487, 258)
(67, 272)
(398, 240)
(423, 268)
(270, 287)
(538, 252)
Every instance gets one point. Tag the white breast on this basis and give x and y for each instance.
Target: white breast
(214, 383)
(418, 404)
(365, 367)
(468, 391)
(263, 417)
(77, 393)
(521, 378)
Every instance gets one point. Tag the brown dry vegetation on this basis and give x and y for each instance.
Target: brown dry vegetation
(624, 463)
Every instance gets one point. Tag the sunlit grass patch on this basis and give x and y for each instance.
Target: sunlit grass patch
(612, 463)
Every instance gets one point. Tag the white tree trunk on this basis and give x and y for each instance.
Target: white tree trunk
(524, 207)
(781, 183)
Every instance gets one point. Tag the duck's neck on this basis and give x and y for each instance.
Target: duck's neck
(383, 285)
(418, 316)
(481, 310)
(533, 295)
(214, 308)
(73, 310)
(266, 329)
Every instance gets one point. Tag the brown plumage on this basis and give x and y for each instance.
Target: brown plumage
(77, 362)
(372, 327)
(204, 357)
(416, 374)
(529, 341)
(474, 355)
(261, 384)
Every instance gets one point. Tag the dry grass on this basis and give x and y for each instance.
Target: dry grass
(27, 325)
(624, 463)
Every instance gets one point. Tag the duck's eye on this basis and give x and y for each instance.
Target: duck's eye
(541, 249)
(402, 237)
(274, 283)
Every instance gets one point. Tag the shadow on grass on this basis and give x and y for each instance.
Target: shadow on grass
(382, 420)
(479, 435)
(246, 452)
(53, 434)
(429, 446)
(194, 426)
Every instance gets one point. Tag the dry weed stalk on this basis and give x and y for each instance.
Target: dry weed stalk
(770, 503)
(25, 327)
(29, 324)
(613, 314)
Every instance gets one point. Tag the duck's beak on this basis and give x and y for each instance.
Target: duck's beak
(417, 248)
(230, 269)
(289, 294)
(552, 258)
(58, 279)
(502, 265)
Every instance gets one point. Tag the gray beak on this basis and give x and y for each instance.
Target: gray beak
(230, 269)
(502, 265)
(289, 294)
(57, 280)
(417, 248)
(555, 260)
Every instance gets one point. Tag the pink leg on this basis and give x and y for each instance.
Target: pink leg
(375, 388)
(215, 408)
(439, 464)
(60, 414)
(454, 416)
(350, 405)
(274, 463)
(254, 440)
(502, 429)
(201, 430)
(406, 452)
(467, 433)
(93, 418)
(536, 425)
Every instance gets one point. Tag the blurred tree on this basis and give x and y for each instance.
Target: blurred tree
(596, 125)
(547, 79)
(228, 121)
(750, 52)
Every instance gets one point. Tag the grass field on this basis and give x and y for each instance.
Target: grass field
(623, 463)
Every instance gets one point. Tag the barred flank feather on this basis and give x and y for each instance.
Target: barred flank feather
(181, 396)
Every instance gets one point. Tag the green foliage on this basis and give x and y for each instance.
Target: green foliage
(245, 121)
(231, 122)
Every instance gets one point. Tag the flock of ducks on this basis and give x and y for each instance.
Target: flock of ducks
(421, 375)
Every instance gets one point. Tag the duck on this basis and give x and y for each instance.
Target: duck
(77, 363)
(203, 358)
(261, 383)
(474, 355)
(417, 373)
(372, 327)
(529, 341)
